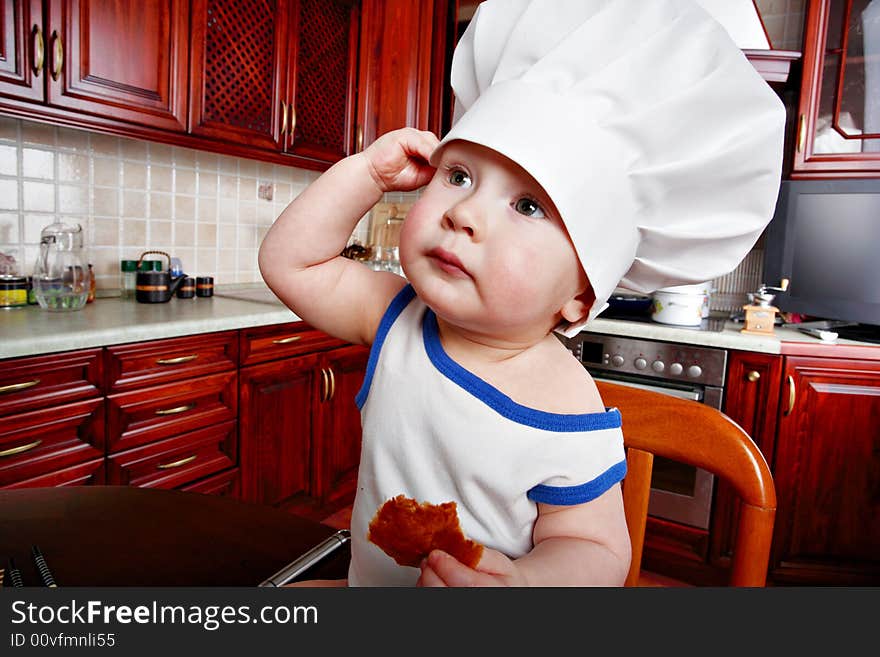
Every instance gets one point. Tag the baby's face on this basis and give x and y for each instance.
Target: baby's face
(486, 249)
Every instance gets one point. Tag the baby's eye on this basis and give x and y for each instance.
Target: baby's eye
(528, 207)
(459, 178)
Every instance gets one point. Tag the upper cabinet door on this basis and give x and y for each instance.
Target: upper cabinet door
(22, 49)
(839, 114)
(323, 80)
(239, 70)
(119, 60)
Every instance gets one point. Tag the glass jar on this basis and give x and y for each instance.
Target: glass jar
(127, 278)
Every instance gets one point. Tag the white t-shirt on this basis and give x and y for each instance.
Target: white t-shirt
(435, 432)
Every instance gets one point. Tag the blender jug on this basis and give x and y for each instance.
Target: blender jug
(61, 275)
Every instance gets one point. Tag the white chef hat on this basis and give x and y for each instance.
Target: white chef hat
(656, 139)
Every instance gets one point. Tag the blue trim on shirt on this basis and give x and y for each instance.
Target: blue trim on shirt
(398, 303)
(570, 495)
(497, 400)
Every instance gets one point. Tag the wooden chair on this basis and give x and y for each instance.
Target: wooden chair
(696, 434)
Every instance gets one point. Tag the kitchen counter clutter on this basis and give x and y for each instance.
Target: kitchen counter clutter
(31, 331)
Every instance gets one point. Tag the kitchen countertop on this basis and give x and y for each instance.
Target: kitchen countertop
(30, 331)
(108, 321)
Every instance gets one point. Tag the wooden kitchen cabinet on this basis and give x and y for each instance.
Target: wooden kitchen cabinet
(51, 418)
(101, 59)
(403, 56)
(751, 400)
(827, 473)
(838, 132)
(337, 436)
(299, 426)
(21, 64)
(276, 75)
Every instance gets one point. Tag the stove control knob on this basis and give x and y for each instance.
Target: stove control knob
(641, 363)
(694, 371)
(658, 366)
(676, 369)
(617, 360)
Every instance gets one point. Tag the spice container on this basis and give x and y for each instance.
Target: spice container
(13, 291)
(127, 278)
(187, 289)
(205, 286)
(92, 285)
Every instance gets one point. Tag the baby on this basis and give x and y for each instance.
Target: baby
(592, 146)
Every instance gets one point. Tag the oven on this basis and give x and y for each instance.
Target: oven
(679, 492)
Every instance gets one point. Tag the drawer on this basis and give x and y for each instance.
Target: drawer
(39, 381)
(82, 474)
(161, 361)
(224, 484)
(266, 343)
(34, 443)
(143, 416)
(176, 461)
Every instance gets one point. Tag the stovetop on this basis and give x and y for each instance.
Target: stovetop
(709, 324)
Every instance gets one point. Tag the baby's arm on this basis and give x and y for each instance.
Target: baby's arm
(300, 256)
(582, 545)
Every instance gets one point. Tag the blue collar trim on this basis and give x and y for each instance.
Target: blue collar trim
(497, 400)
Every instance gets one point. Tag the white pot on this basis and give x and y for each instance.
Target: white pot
(680, 309)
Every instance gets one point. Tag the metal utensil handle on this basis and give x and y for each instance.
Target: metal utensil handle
(307, 560)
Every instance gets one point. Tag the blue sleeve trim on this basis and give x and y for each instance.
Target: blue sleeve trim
(571, 495)
(398, 303)
(501, 403)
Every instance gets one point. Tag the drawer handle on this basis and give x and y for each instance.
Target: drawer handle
(292, 338)
(176, 409)
(753, 376)
(22, 448)
(178, 360)
(177, 464)
(14, 387)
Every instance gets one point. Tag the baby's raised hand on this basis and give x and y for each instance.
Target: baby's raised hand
(398, 160)
(494, 569)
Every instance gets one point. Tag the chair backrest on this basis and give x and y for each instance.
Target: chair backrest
(696, 434)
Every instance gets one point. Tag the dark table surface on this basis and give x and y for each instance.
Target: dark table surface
(126, 536)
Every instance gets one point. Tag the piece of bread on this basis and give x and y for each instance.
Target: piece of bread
(407, 532)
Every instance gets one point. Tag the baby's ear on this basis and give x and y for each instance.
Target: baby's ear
(578, 308)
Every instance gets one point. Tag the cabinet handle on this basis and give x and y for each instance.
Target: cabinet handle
(21, 448)
(177, 464)
(292, 120)
(176, 409)
(177, 361)
(802, 132)
(292, 338)
(753, 376)
(283, 118)
(39, 49)
(59, 55)
(325, 384)
(14, 387)
(332, 384)
(360, 139)
(792, 395)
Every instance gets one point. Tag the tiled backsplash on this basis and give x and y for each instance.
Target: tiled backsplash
(132, 195)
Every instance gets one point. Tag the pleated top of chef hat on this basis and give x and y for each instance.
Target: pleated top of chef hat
(656, 139)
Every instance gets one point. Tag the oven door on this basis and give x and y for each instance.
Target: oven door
(679, 492)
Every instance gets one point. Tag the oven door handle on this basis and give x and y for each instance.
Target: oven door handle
(694, 395)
